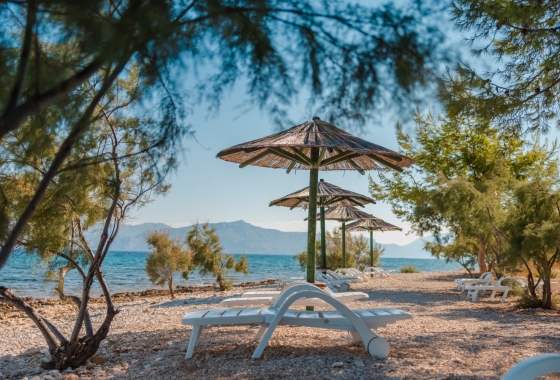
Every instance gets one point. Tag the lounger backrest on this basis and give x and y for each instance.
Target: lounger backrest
(484, 275)
(294, 289)
(499, 282)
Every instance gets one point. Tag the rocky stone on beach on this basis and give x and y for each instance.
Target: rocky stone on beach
(448, 335)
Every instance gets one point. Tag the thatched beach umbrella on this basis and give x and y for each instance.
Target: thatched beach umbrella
(328, 195)
(314, 145)
(343, 215)
(372, 225)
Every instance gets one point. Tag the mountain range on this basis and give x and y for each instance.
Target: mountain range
(242, 237)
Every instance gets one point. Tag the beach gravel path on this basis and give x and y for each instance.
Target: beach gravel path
(449, 338)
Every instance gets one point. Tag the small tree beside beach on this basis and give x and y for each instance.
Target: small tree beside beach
(167, 258)
(209, 256)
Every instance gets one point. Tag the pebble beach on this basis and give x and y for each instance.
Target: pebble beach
(448, 338)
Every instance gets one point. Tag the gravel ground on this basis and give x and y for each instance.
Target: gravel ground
(449, 338)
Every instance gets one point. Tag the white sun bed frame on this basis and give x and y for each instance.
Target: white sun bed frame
(474, 290)
(377, 271)
(344, 285)
(269, 298)
(358, 322)
(484, 278)
(281, 284)
(533, 367)
(352, 272)
(349, 277)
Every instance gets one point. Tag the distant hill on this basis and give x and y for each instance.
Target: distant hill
(242, 237)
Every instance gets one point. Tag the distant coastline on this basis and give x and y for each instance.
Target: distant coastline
(243, 237)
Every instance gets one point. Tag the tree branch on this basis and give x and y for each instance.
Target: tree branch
(9, 298)
(17, 90)
(12, 117)
(58, 160)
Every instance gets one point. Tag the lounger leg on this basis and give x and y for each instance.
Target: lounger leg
(260, 333)
(264, 341)
(492, 295)
(356, 337)
(504, 296)
(192, 342)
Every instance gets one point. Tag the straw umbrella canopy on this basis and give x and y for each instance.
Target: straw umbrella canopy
(343, 215)
(315, 145)
(372, 225)
(328, 195)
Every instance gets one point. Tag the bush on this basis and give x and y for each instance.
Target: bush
(409, 269)
(166, 258)
(209, 256)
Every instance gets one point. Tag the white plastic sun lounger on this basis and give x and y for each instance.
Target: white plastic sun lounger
(338, 276)
(281, 284)
(377, 271)
(531, 368)
(483, 279)
(344, 285)
(473, 290)
(358, 322)
(256, 299)
(275, 293)
(352, 272)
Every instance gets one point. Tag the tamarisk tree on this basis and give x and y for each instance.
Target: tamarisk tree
(519, 86)
(209, 256)
(168, 256)
(464, 169)
(111, 177)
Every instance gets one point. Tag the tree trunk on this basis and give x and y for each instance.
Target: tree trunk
(60, 282)
(220, 282)
(482, 255)
(170, 282)
(546, 290)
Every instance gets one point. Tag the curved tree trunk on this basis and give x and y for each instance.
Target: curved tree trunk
(482, 255)
(60, 281)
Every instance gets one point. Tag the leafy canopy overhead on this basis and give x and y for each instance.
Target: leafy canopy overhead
(521, 42)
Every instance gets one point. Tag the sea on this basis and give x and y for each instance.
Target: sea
(124, 272)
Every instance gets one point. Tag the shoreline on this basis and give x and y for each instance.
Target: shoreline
(134, 295)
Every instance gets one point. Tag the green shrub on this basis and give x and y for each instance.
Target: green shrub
(166, 258)
(409, 269)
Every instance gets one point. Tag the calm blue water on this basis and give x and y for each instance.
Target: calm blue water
(124, 272)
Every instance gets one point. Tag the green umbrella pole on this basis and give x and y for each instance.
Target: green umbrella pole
(371, 247)
(343, 244)
(312, 217)
(323, 239)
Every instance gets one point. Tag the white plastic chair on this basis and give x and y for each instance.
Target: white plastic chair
(533, 367)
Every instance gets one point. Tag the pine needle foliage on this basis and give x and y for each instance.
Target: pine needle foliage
(167, 258)
(209, 256)
(519, 86)
(465, 169)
